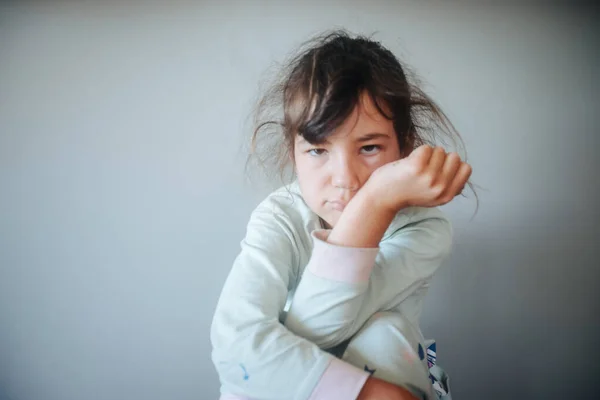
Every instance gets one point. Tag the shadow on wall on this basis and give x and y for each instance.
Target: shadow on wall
(511, 313)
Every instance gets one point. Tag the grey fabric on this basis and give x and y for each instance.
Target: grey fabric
(441, 377)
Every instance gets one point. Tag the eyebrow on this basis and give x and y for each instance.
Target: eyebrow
(371, 136)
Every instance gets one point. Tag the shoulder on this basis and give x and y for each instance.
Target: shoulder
(286, 201)
(280, 227)
(285, 211)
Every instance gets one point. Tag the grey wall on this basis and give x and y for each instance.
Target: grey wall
(123, 199)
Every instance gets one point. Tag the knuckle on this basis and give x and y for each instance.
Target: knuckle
(428, 180)
(439, 149)
(417, 166)
(453, 156)
(427, 149)
(437, 191)
(412, 168)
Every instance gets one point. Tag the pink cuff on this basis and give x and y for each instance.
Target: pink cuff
(339, 263)
(341, 381)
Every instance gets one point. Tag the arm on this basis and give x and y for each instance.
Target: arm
(362, 212)
(331, 292)
(427, 177)
(255, 356)
(345, 283)
(409, 258)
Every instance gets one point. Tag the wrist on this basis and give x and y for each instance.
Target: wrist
(365, 212)
(375, 202)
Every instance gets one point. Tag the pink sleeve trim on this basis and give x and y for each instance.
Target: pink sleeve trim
(341, 381)
(339, 263)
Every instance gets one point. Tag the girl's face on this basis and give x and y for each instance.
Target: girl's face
(330, 174)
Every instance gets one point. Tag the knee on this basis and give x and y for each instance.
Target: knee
(388, 334)
(388, 325)
(387, 346)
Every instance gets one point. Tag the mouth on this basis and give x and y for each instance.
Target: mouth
(338, 205)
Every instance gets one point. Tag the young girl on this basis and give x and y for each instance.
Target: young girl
(323, 301)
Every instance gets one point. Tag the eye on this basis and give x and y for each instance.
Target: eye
(370, 149)
(316, 152)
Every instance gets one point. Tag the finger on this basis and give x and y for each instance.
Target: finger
(436, 163)
(449, 170)
(421, 155)
(460, 180)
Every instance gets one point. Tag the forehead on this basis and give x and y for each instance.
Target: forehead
(365, 115)
(364, 119)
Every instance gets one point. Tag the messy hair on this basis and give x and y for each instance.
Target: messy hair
(318, 88)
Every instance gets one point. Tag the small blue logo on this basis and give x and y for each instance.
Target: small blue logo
(245, 372)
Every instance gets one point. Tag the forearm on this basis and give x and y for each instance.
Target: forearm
(340, 288)
(362, 224)
(328, 306)
(258, 358)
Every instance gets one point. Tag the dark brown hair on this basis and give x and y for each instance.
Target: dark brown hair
(319, 87)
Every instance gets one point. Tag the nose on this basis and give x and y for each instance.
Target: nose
(345, 174)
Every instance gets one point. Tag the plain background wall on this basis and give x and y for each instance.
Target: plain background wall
(123, 199)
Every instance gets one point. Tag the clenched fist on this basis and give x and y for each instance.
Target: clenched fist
(428, 177)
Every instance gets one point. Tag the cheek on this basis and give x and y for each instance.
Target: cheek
(310, 172)
(372, 164)
(303, 172)
(388, 156)
(312, 195)
(376, 162)
(312, 184)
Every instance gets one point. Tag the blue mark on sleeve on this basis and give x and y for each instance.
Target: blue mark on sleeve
(245, 372)
(370, 371)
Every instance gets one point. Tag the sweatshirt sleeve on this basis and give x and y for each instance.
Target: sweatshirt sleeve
(409, 258)
(255, 356)
(330, 294)
(342, 286)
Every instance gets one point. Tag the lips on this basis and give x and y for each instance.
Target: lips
(338, 205)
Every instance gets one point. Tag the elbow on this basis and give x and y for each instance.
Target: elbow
(231, 335)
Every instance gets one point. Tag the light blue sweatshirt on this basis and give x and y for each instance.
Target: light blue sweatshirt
(335, 291)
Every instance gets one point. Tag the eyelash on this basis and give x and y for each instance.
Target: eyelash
(318, 152)
(312, 152)
(374, 146)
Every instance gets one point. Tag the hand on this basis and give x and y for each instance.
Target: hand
(428, 177)
(377, 389)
